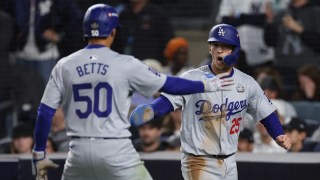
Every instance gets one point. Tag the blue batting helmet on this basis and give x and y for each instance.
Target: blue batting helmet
(99, 21)
(229, 35)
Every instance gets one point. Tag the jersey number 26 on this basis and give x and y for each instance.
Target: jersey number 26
(93, 106)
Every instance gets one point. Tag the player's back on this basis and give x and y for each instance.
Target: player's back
(95, 95)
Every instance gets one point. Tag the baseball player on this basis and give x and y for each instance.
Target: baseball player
(94, 86)
(211, 121)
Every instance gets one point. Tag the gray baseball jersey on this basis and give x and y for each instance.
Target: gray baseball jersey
(211, 121)
(93, 86)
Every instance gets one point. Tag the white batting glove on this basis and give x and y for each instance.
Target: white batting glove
(41, 164)
(215, 83)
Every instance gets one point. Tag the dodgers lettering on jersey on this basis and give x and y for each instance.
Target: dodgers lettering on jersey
(232, 108)
(94, 85)
(212, 121)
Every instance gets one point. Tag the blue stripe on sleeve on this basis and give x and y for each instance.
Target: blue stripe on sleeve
(43, 125)
(161, 106)
(273, 126)
(179, 86)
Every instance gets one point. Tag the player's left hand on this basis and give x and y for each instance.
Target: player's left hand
(41, 164)
(216, 83)
(284, 141)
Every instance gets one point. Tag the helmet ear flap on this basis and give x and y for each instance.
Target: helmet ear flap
(232, 58)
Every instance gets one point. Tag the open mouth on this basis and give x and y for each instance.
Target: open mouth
(220, 58)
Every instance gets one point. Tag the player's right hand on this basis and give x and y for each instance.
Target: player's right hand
(217, 83)
(284, 141)
(141, 114)
(41, 164)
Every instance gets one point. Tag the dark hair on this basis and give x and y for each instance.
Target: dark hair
(296, 124)
(273, 72)
(246, 134)
(270, 83)
(22, 130)
(313, 73)
(157, 123)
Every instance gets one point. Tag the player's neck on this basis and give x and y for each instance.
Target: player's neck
(216, 70)
(99, 41)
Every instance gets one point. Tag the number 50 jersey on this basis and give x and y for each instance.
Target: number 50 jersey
(94, 85)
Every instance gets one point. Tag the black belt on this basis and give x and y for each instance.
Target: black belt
(220, 156)
(95, 138)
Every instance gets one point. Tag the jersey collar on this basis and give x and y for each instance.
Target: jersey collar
(231, 74)
(92, 46)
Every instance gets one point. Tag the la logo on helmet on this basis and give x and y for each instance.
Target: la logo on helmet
(221, 32)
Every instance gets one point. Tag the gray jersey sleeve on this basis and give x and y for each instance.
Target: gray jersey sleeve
(145, 80)
(177, 101)
(53, 92)
(259, 105)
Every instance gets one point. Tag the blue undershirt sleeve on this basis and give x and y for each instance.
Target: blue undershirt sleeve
(161, 106)
(273, 126)
(43, 125)
(179, 86)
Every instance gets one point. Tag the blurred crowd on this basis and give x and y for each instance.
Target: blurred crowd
(280, 49)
